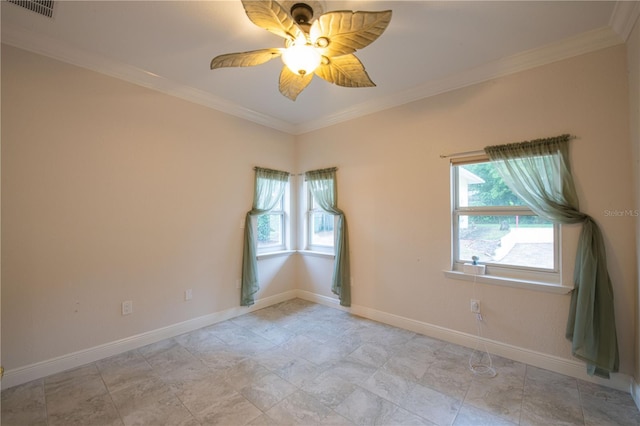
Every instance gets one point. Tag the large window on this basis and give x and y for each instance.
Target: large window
(320, 227)
(271, 228)
(492, 223)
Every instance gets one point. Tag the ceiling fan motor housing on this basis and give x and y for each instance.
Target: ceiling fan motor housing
(302, 13)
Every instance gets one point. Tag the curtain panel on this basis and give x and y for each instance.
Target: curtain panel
(269, 188)
(538, 172)
(323, 187)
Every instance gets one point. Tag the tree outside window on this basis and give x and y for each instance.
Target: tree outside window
(493, 223)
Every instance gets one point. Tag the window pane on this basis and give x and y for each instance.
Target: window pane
(280, 205)
(321, 231)
(507, 240)
(481, 185)
(270, 230)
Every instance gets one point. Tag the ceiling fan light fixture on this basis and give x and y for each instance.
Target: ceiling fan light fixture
(301, 57)
(323, 45)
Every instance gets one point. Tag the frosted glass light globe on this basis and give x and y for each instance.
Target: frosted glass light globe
(301, 58)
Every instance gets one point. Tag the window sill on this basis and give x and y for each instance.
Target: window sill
(316, 253)
(509, 282)
(268, 255)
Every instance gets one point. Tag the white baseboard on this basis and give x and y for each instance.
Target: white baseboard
(42, 369)
(565, 366)
(569, 367)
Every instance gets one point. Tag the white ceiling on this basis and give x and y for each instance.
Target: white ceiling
(428, 48)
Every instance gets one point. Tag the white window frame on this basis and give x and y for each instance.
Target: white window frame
(284, 211)
(527, 274)
(309, 211)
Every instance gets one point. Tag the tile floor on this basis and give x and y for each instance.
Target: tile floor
(304, 364)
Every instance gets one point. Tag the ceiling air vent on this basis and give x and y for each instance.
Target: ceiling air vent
(43, 7)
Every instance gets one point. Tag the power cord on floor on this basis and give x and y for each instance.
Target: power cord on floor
(476, 365)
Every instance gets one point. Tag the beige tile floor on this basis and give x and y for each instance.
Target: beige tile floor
(299, 363)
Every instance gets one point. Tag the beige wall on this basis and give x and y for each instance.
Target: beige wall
(633, 58)
(394, 189)
(114, 192)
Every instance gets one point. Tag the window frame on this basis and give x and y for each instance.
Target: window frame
(310, 210)
(284, 211)
(499, 270)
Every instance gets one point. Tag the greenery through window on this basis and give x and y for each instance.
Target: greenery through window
(494, 224)
(321, 226)
(271, 228)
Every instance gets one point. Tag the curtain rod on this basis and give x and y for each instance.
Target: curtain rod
(479, 151)
(462, 154)
(318, 170)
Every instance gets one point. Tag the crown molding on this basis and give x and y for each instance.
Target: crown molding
(578, 45)
(27, 40)
(624, 17)
(584, 43)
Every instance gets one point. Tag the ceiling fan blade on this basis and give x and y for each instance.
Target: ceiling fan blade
(271, 16)
(346, 71)
(347, 31)
(245, 59)
(291, 84)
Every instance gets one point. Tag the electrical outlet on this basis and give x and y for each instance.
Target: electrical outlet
(238, 283)
(188, 294)
(475, 306)
(127, 307)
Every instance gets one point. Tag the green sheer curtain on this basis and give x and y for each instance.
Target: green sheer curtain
(322, 184)
(538, 171)
(269, 187)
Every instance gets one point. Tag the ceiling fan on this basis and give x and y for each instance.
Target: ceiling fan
(323, 46)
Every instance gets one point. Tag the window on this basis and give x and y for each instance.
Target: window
(271, 228)
(320, 227)
(493, 224)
